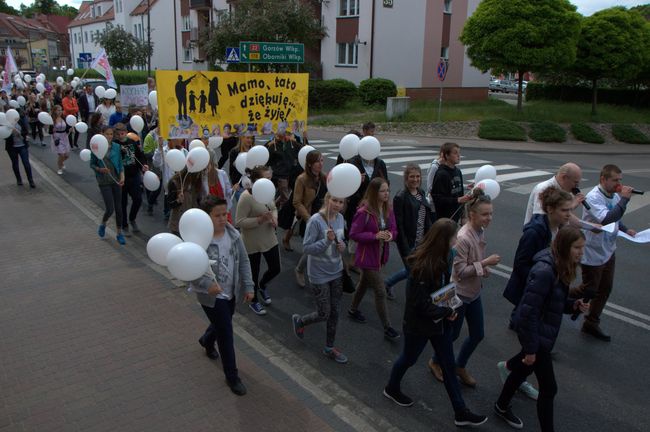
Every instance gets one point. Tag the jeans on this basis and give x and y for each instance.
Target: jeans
(272, 258)
(220, 330)
(543, 368)
(328, 302)
(23, 153)
(444, 349)
(372, 279)
(397, 277)
(473, 313)
(112, 196)
(37, 129)
(132, 188)
(152, 196)
(597, 282)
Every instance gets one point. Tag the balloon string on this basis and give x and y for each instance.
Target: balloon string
(183, 181)
(109, 171)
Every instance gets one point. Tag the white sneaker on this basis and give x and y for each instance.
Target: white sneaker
(60, 172)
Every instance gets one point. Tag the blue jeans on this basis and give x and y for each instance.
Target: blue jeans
(473, 313)
(220, 330)
(397, 277)
(132, 188)
(444, 349)
(23, 153)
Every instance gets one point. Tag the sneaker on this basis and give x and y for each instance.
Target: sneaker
(300, 278)
(32, 185)
(508, 416)
(60, 172)
(126, 232)
(120, 239)
(436, 370)
(335, 355)
(101, 231)
(298, 326)
(237, 387)
(398, 397)
(390, 294)
(529, 390)
(210, 352)
(134, 227)
(266, 299)
(391, 334)
(257, 308)
(503, 371)
(468, 418)
(594, 330)
(465, 377)
(357, 316)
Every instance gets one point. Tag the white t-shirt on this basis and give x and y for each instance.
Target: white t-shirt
(369, 167)
(224, 268)
(600, 246)
(534, 204)
(105, 112)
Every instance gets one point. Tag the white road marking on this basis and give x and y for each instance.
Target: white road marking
(520, 175)
(499, 168)
(524, 189)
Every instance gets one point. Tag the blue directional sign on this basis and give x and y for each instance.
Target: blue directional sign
(232, 55)
(85, 57)
(443, 66)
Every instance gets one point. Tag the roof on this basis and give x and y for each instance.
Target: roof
(17, 26)
(85, 14)
(142, 7)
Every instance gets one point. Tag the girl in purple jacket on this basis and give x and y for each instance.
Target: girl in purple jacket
(373, 228)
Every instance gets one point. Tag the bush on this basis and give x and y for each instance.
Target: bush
(629, 134)
(374, 91)
(546, 132)
(585, 133)
(636, 98)
(332, 93)
(499, 129)
(126, 77)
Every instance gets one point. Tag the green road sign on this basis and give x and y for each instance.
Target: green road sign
(271, 52)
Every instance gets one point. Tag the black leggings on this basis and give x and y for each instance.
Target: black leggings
(272, 258)
(112, 195)
(37, 129)
(543, 368)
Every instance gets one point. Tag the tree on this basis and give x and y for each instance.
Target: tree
(46, 7)
(613, 43)
(522, 36)
(123, 49)
(5, 8)
(263, 20)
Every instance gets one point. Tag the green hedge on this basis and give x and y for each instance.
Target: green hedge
(126, 77)
(374, 91)
(544, 131)
(629, 134)
(585, 133)
(333, 93)
(540, 91)
(499, 129)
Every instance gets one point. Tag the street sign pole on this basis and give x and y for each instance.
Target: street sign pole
(443, 66)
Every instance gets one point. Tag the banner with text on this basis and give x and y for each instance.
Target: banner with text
(195, 104)
(137, 95)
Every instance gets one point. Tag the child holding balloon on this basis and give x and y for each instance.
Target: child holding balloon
(60, 142)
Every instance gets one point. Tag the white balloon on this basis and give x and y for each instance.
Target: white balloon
(263, 191)
(158, 246)
(45, 118)
(99, 145)
(151, 181)
(196, 226)
(484, 173)
(369, 147)
(71, 120)
(257, 155)
(214, 142)
(110, 93)
(195, 143)
(70, 72)
(136, 122)
(197, 159)
(187, 261)
(60, 80)
(40, 87)
(240, 163)
(3, 119)
(74, 84)
(175, 159)
(302, 155)
(12, 116)
(81, 127)
(27, 78)
(349, 146)
(100, 91)
(40, 79)
(21, 100)
(14, 104)
(5, 131)
(84, 155)
(490, 187)
(153, 99)
(343, 180)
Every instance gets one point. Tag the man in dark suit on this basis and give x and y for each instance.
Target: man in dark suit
(88, 102)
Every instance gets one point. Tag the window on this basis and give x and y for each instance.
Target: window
(444, 52)
(135, 31)
(349, 8)
(86, 36)
(187, 23)
(75, 39)
(447, 6)
(347, 54)
(118, 6)
(187, 55)
(99, 10)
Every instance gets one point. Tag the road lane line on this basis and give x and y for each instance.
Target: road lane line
(473, 170)
(520, 175)
(628, 311)
(626, 319)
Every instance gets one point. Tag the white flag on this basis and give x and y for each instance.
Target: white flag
(101, 65)
(10, 69)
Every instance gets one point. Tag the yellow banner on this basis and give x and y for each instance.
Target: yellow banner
(198, 104)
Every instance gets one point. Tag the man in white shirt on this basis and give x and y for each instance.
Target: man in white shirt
(598, 261)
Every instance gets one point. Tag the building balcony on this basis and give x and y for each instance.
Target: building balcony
(200, 4)
(194, 34)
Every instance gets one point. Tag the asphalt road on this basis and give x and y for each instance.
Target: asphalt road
(602, 386)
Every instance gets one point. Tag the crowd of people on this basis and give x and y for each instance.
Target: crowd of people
(439, 229)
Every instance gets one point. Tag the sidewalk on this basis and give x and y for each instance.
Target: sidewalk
(335, 133)
(93, 339)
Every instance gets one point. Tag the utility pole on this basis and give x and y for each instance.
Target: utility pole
(149, 39)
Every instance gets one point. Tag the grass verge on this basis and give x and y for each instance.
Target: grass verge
(500, 129)
(585, 133)
(629, 134)
(546, 132)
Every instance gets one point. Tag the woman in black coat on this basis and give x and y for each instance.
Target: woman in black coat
(538, 320)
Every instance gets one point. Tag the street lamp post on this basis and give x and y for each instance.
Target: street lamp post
(148, 40)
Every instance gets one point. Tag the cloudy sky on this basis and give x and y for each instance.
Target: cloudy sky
(585, 7)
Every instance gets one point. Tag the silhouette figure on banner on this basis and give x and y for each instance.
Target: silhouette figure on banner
(202, 100)
(181, 96)
(193, 99)
(213, 94)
